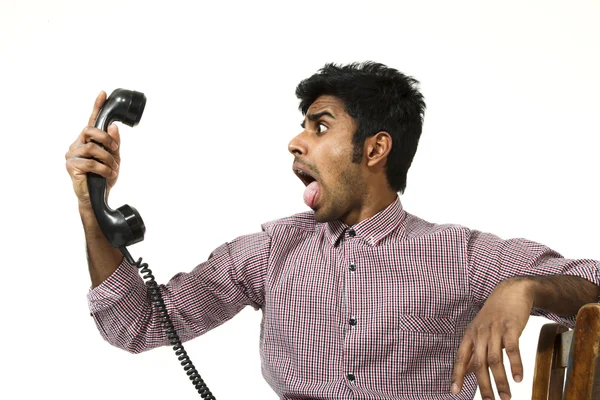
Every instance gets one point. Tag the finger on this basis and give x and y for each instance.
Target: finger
(470, 367)
(481, 368)
(98, 153)
(113, 132)
(463, 355)
(100, 99)
(81, 166)
(511, 346)
(496, 364)
(90, 133)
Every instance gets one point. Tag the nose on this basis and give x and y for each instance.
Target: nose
(297, 146)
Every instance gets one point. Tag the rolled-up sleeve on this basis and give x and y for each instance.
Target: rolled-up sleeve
(197, 301)
(492, 260)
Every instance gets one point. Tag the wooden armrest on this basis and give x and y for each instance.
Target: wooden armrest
(574, 351)
(551, 362)
(583, 373)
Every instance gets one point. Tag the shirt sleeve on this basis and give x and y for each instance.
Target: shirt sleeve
(492, 260)
(197, 301)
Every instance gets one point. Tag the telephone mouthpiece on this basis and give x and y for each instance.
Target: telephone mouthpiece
(135, 224)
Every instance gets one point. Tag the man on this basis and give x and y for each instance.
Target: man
(360, 299)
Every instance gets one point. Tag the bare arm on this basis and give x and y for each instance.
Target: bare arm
(560, 294)
(103, 259)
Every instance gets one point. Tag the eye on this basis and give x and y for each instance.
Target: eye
(321, 128)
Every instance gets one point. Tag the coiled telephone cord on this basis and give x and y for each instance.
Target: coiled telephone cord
(172, 335)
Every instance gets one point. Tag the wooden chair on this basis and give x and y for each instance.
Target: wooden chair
(576, 352)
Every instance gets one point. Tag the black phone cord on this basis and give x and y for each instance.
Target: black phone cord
(172, 335)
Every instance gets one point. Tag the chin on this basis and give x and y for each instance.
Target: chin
(322, 215)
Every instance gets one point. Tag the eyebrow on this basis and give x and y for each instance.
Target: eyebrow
(314, 117)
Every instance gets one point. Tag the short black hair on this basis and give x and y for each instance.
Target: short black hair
(379, 98)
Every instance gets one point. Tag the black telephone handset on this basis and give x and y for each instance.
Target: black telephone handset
(124, 226)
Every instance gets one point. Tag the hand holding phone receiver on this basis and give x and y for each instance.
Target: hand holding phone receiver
(124, 226)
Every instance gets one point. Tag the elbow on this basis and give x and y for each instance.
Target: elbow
(125, 341)
(130, 346)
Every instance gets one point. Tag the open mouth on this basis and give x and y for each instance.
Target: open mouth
(304, 176)
(312, 192)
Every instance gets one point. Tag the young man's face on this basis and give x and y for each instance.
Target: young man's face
(324, 151)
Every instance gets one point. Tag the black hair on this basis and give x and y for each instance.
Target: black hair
(379, 98)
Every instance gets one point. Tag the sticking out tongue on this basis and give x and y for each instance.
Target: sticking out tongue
(311, 193)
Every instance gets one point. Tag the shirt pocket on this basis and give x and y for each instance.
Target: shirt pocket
(424, 357)
(427, 325)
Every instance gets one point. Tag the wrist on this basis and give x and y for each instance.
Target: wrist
(525, 287)
(86, 212)
(85, 208)
(88, 219)
(85, 205)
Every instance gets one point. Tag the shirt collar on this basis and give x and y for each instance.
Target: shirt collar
(370, 230)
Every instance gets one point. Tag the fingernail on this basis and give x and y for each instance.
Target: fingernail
(115, 165)
(504, 396)
(518, 378)
(454, 388)
(113, 174)
(114, 145)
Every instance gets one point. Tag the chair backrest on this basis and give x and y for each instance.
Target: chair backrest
(575, 352)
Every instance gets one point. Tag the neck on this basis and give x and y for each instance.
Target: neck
(371, 205)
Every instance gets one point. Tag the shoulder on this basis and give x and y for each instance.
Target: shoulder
(304, 221)
(419, 228)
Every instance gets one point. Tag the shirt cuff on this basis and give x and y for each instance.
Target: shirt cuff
(120, 283)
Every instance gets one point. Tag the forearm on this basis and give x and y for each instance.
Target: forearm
(103, 259)
(562, 295)
(196, 302)
(124, 314)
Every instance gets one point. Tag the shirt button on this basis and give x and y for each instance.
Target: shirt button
(352, 267)
(351, 377)
(351, 233)
(352, 321)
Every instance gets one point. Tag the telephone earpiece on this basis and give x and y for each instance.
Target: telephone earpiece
(123, 226)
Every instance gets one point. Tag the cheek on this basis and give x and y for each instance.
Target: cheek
(334, 166)
(337, 152)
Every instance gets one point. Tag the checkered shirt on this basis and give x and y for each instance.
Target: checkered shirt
(372, 311)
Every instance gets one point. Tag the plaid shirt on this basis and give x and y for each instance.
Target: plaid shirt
(372, 311)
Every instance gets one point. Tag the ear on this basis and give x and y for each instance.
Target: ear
(377, 148)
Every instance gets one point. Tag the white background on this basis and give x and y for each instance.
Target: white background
(509, 146)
